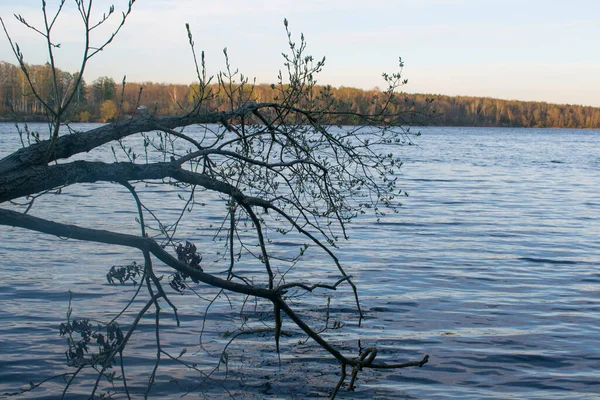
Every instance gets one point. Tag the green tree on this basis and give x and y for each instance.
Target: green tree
(103, 88)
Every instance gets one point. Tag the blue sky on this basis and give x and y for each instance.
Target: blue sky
(526, 50)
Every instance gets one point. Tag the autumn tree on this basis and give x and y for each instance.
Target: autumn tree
(277, 168)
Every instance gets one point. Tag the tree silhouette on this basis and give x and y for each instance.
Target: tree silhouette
(281, 167)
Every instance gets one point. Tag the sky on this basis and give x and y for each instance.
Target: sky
(539, 50)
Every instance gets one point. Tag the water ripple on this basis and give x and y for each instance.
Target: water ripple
(492, 267)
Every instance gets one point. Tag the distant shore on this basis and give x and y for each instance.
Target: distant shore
(103, 100)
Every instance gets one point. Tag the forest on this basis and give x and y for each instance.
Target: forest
(105, 100)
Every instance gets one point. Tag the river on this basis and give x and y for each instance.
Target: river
(492, 267)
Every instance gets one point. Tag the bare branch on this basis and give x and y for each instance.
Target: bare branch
(282, 155)
(310, 288)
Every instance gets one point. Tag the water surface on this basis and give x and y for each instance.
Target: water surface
(492, 267)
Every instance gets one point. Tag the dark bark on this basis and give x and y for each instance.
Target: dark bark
(40, 178)
(15, 219)
(68, 145)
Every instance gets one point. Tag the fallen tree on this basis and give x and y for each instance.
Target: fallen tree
(278, 168)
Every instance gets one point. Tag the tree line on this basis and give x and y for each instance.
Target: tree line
(485, 111)
(105, 100)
